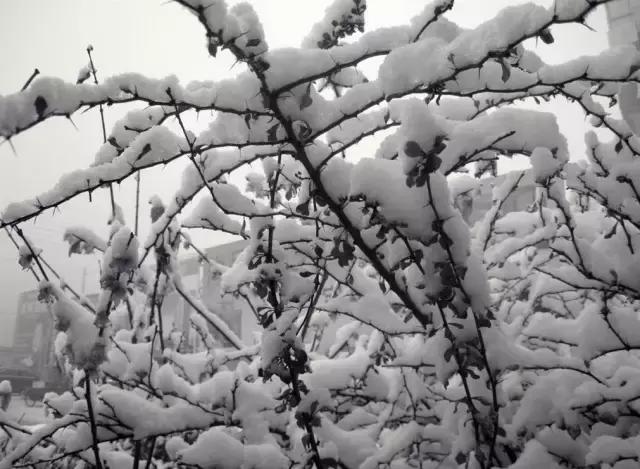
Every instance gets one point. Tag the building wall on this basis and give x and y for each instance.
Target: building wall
(624, 27)
(474, 204)
(34, 331)
(204, 283)
(9, 358)
(34, 336)
(624, 20)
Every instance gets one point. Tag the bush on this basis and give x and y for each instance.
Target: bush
(393, 333)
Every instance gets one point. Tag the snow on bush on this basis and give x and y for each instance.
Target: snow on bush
(393, 331)
(5, 386)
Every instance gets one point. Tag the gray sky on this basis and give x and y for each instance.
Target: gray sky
(158, 38)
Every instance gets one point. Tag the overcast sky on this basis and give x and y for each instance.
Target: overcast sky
(159, 38)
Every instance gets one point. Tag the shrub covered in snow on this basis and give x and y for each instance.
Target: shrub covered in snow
(393, 334)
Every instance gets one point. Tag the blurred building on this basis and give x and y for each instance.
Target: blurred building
(34, 333)
(33, 354)
(6, 331)
(623, 17)
(34, 336)
(9, 358)
(475, 202)
(204, 282)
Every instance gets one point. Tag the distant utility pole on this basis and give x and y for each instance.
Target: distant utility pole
(84, 280)
(137, 202)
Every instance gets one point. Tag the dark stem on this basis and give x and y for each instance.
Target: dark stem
(150, 455)
(482, 347)
(135, 229)
(137, 450)
(66, 285)
(312, 304)
(493, 220)
(104, 129)
(32, 251)
(92, 421)
(15, 243)
(160, 328)
(315, 455)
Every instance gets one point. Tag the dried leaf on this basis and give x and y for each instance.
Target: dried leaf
(41, 106)
(272, 132)
(306, 101)
(546, 36)
(506, 71)
(413, 150)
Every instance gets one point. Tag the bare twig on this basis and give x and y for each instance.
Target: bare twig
(30, 79)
